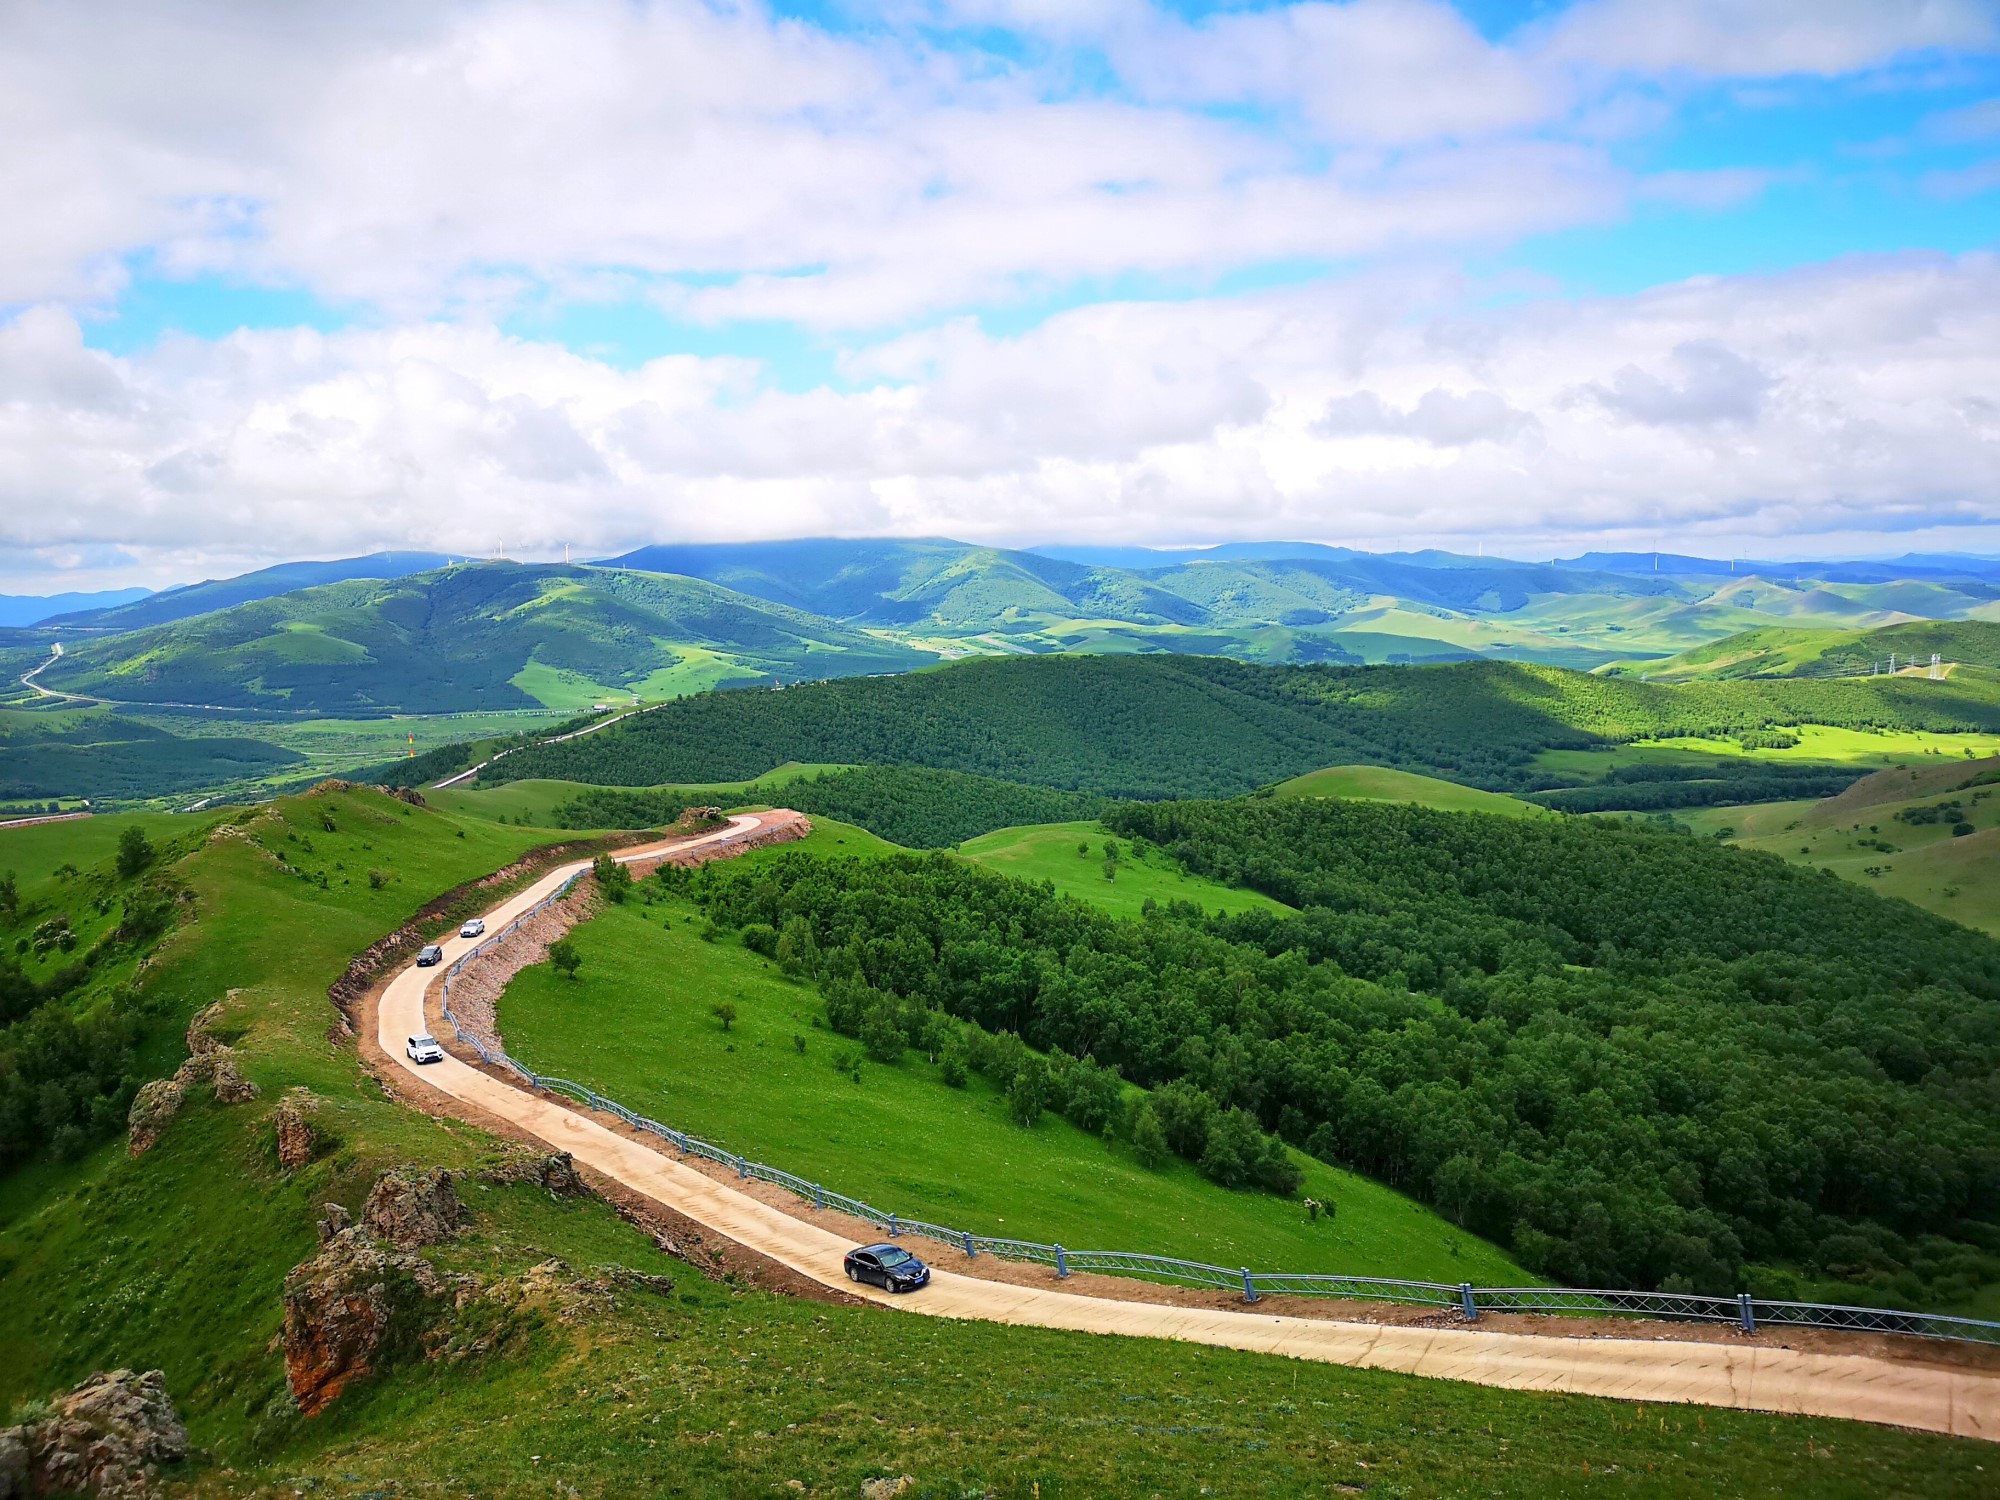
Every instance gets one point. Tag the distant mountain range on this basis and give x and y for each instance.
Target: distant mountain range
(402, 631)
(17, 610)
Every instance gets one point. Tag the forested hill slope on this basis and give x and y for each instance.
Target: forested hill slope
(487, 636)
(1152, 726)
(1651, 1051)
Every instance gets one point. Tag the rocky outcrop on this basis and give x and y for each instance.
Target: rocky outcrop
(554, 1172)
(107, 1437)
(153, 1109)
(213, 1061)
(350, 1310)
(201, 1037)
(293, 1121)
(887, 1488)
(413, 1206)
(332, 1219)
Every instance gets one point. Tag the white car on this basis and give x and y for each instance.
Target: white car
(473, 928)
(424, 1049)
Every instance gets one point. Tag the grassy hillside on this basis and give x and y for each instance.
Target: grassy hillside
(1150, 726)
(1056, 852)
(494, 635)
(1787, 652)
(1897, 832)
(177, 1259)
(1380, 784)
(636, 1024)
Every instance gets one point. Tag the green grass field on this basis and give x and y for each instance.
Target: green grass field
(1379, 784)
(35, 852)
(636, 1024)
(1048, 851)
(176, 1260)
(1819, 744)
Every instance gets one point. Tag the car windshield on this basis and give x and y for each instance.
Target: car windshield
(891, 1259)
(420, 1041)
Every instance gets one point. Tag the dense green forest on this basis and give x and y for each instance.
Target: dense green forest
(1650, 788)
(54, 752)
(1635, 1057)
(914, 806)
(1160, 726)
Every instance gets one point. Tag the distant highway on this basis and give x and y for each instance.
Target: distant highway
(574, 734)
(1758, 1374)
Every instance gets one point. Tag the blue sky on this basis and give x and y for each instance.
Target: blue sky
(1107, 269)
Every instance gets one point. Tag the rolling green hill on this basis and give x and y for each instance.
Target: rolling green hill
(1380, 784)
(1153, 726)
(1071, 857)
(490, 636)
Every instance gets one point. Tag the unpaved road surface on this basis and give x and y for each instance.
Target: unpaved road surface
(1749, 1374)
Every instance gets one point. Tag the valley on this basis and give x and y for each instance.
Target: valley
(1138, 949)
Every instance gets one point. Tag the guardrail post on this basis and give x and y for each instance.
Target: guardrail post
(894, 1228)
(1746, 1313)
(1249, 1287)
(1062, 1263)
(819, 1196)
(741, 1169)
(1465, 1303)
(970, 1252)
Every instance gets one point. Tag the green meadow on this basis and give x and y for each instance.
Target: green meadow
(1070, 856)
(1381, 784)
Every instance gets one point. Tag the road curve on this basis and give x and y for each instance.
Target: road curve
(1752, 1376)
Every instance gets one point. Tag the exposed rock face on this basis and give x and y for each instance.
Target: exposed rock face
(293, 1120)
(349, 1310)
(332, 1219)
(153, 1109)
(556, 1172)
(107, 1437)
(887, 1488)
(413, 1206)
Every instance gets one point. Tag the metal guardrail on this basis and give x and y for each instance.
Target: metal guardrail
(1744, 1311)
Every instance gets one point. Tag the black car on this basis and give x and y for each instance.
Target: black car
(431, 954)
(890, 1267)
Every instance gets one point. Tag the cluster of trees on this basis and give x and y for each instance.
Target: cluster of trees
(870, 995)
(1638, 1059)
(68, 1038)
(1155, 726)
(1650, 788)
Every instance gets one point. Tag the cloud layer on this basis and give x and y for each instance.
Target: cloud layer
(1840, 398)
(899, 196)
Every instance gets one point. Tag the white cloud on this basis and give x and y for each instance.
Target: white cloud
(1765, 38)
(1849, 397)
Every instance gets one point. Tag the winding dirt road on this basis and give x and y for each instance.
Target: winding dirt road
(1747, 1374)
